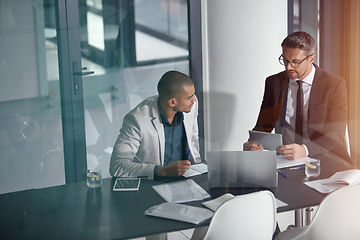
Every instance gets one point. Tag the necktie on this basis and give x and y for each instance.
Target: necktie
(299, 114)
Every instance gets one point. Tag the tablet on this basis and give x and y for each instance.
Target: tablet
(269, 141)
(126, 184)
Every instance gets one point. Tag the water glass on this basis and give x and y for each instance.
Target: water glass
(312, 167)
(93, 178)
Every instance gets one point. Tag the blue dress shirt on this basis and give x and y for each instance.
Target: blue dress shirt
(175, 139)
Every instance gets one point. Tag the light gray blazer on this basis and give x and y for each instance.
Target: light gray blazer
(140, 145)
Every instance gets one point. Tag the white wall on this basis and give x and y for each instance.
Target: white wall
(241, 46)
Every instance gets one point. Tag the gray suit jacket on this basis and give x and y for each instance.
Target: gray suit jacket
(140, 145)
(327, 114)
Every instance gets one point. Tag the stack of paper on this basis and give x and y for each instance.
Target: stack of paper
(336, 181)
(214, 204)
(217, 202)
(283, 162)
(181, 191)
(180, 212)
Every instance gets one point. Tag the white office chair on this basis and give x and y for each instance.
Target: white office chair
(336, 218)
(249, 216)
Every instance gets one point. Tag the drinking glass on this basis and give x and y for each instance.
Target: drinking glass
(93, 178)
(312, 167)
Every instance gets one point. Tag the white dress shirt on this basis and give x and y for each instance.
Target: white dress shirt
(289, 126)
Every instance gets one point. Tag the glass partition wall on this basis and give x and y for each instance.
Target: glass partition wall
(124, 47)
(31, 142)
(128, 45)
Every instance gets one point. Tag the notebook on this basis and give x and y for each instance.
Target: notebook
(242, 169)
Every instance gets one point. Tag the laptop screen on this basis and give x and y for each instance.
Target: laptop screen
(242, 169)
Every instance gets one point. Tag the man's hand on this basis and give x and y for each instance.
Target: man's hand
(251, 146)
(292, 151)
(174, 169)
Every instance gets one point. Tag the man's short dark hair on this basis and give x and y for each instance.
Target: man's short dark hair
(301, 40)
(172, 84)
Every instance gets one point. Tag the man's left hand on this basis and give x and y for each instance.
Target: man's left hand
(292, 151)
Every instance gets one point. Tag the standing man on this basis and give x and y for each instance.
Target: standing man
(159, 137)
(305, 104)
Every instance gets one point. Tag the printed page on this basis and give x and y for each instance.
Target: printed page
(345, 177)
(196, 169)
(180, 212)
(336, 181)
(217, 202)
(181, 191)
(283, 162)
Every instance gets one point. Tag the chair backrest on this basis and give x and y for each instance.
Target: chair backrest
(337, 216)
(249, 216)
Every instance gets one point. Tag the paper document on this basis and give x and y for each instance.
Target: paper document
(181, 191)
(347, 177)
(196, 169)
(280, 203)
(180, 212)
(214, 204)
(283, 162)
(336, 181)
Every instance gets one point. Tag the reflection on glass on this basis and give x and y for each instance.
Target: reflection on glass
(161, 29)
(95, 26)
(131, 32)
(31, 144)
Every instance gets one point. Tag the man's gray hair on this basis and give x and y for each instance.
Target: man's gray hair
(301, 40)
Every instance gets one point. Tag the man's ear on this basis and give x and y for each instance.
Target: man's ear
(312, 58)
(172, 102)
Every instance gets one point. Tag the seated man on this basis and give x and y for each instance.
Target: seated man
(159, 137)
(304, 103)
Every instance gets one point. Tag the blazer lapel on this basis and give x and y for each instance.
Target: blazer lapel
(316, 89)
(284, 103)
(283, 99)
(188, 130)
(156, 121)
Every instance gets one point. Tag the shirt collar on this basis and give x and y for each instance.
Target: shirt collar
(309, 78)
(179, 116)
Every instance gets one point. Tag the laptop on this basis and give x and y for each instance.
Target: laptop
(242, 169)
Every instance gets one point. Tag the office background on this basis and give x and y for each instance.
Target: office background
(56, 123)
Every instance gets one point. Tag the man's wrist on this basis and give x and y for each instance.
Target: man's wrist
(306, 149)
(160, 171)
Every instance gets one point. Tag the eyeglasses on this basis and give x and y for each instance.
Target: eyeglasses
(294, 64)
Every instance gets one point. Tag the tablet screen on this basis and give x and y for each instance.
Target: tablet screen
(126, 184)
(269, 141)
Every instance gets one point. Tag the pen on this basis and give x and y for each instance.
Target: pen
(283, 174)
(188, 156)
(296, 168)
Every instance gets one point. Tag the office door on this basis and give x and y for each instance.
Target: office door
(42, 136)
(31, 129)
(128, 44)
(58, 119)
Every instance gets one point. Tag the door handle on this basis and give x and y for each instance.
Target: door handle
(78, 74)
(83, 73)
